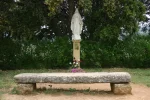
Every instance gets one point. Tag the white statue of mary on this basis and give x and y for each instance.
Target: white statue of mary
(76, 25)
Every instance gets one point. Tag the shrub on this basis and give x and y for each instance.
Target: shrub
(8, 52)
(56, 54)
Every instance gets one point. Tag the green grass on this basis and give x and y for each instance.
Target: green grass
(139, 76)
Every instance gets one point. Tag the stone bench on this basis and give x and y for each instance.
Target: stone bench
(119, 81)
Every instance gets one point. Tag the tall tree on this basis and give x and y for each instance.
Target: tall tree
(65, 9)
(103, 18)
(108, 16)
(24, 18)
(28, 17)
(147, 13)
(5, 10)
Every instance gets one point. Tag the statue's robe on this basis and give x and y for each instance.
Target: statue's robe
(76, 25)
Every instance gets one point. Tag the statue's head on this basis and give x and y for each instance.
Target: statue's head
(76, 11)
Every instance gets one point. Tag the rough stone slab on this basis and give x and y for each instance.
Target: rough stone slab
(66, 78)
(121, 88)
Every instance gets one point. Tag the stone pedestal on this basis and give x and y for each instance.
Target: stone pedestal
(26, 88)
(76, 50)
(122, 88)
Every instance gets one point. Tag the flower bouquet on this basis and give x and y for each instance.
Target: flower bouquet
(75, 68)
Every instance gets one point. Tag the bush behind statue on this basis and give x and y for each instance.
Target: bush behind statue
(57, 54)
(36, 54)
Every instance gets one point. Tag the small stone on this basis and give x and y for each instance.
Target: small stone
(25, 88)
(121, 88)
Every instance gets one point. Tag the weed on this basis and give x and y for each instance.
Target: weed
(88, 90)
(51, 91)
(15, 91)
(148, 85)
(72, 89)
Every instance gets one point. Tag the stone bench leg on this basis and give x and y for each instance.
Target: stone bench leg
(121, 88)
(26, 88)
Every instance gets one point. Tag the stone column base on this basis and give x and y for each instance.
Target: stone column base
(26, 88)
(121, 88)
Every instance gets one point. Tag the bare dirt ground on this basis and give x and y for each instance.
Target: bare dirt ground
(139, 92)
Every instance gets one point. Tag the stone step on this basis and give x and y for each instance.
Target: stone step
(68, 78)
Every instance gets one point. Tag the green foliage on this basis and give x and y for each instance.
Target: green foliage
(109, 34)
(108, 16)
(8, 53)
(5, 7)
(56, 54)
(53, 6)
(35, 54)
(133, 53)
(86, 5)
(89, 53)
(20, 20)
(15, 91)
(137, 53)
